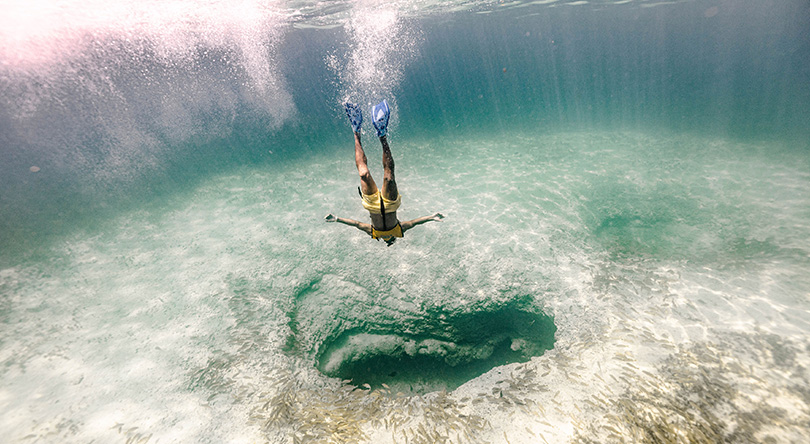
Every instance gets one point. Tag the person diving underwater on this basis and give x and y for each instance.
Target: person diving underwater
(382, 205)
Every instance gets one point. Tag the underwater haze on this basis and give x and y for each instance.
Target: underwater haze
(625, 253)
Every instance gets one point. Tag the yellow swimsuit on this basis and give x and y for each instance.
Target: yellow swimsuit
(375, 204)
(371, 202)
(395, 232)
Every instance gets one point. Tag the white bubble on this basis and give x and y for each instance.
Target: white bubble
(380, 45)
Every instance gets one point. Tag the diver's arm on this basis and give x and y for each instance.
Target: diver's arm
(407, 225)
(351, 222)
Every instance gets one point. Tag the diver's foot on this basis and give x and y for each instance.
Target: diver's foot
(379, 118)
(355, 115)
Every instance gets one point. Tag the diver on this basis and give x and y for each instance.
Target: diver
(382, 205)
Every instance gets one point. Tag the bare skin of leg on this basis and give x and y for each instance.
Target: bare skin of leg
(389, 188)
(367, 184)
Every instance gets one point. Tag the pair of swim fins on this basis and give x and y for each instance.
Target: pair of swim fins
(379, 117)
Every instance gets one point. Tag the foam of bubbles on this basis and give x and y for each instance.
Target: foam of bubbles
(379, 47)
(55, 39)
(48, 33)
(103, 88)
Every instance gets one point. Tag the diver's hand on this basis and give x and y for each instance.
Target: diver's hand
(330, 218)
(437, 217)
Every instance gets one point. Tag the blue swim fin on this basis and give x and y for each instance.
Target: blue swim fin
(379, 118)
(355, 115)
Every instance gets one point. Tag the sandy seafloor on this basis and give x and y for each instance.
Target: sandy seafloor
(625, 253)
(677, 279)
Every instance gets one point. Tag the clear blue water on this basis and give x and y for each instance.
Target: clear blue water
(638, 172)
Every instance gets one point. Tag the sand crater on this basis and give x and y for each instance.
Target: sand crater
(412, 349)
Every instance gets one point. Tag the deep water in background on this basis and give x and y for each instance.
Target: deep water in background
(124, 122)
(732, 74)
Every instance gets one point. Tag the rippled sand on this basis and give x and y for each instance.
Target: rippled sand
(674, 268)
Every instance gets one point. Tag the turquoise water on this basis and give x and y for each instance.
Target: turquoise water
(635, 173)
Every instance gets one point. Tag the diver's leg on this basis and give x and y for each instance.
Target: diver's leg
(389, 189)
(367, 184)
